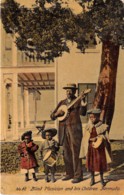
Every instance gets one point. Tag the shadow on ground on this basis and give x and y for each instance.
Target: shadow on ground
(117, 167)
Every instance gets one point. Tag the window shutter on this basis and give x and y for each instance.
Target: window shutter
(89, 97)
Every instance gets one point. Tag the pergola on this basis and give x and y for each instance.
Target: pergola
(38, 81)
(27, 80)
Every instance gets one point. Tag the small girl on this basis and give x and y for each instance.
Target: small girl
(49, 146)
(27, 149)
(96, 146)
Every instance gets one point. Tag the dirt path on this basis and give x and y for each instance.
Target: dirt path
(15, 184)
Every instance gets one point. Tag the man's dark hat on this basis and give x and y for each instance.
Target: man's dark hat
(27, 133)
(70, 86)
(53, 132)
(94, 111)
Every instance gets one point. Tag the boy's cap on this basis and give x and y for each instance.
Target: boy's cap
(27, 133)
(94, 111)
(53, 132)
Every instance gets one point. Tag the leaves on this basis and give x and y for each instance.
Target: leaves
(50, 29)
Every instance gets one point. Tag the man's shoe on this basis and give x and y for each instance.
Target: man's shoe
(77, 180)
(67, 178)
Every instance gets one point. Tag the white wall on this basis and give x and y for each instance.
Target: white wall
(44, 106)
(75, 67)
(84, 68)
(118, 120)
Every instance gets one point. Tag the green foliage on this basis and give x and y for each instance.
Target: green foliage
(108, 21)
(10, 12)
(45, 32)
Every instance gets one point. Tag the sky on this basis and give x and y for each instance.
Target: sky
(27, 3)
(72, 4)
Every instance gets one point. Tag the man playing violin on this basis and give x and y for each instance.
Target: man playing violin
(70, 132)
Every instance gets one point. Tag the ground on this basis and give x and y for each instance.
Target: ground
(15, 184)
(114, 178)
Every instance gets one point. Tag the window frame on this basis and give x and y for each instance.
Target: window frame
(90, 96)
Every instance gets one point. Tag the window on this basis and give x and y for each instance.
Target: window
(8, 42)
(89, 96)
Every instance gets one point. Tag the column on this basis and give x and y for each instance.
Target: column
(14, 52)
(35, 114)
(3, 109)
(15, 107)
(26, 106)
(9, 114)
(22, 107)
(56, 82)
(56, 88)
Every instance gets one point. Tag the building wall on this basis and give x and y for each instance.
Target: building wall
(118, 120)
(44, 106)
(75, 67)
(12, 63)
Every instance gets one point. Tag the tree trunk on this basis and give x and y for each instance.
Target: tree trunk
(106, 88)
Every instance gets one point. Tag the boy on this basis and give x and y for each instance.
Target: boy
(96, 146)
(27, 151)
(49, 146)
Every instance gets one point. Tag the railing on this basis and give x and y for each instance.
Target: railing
(31, 60)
